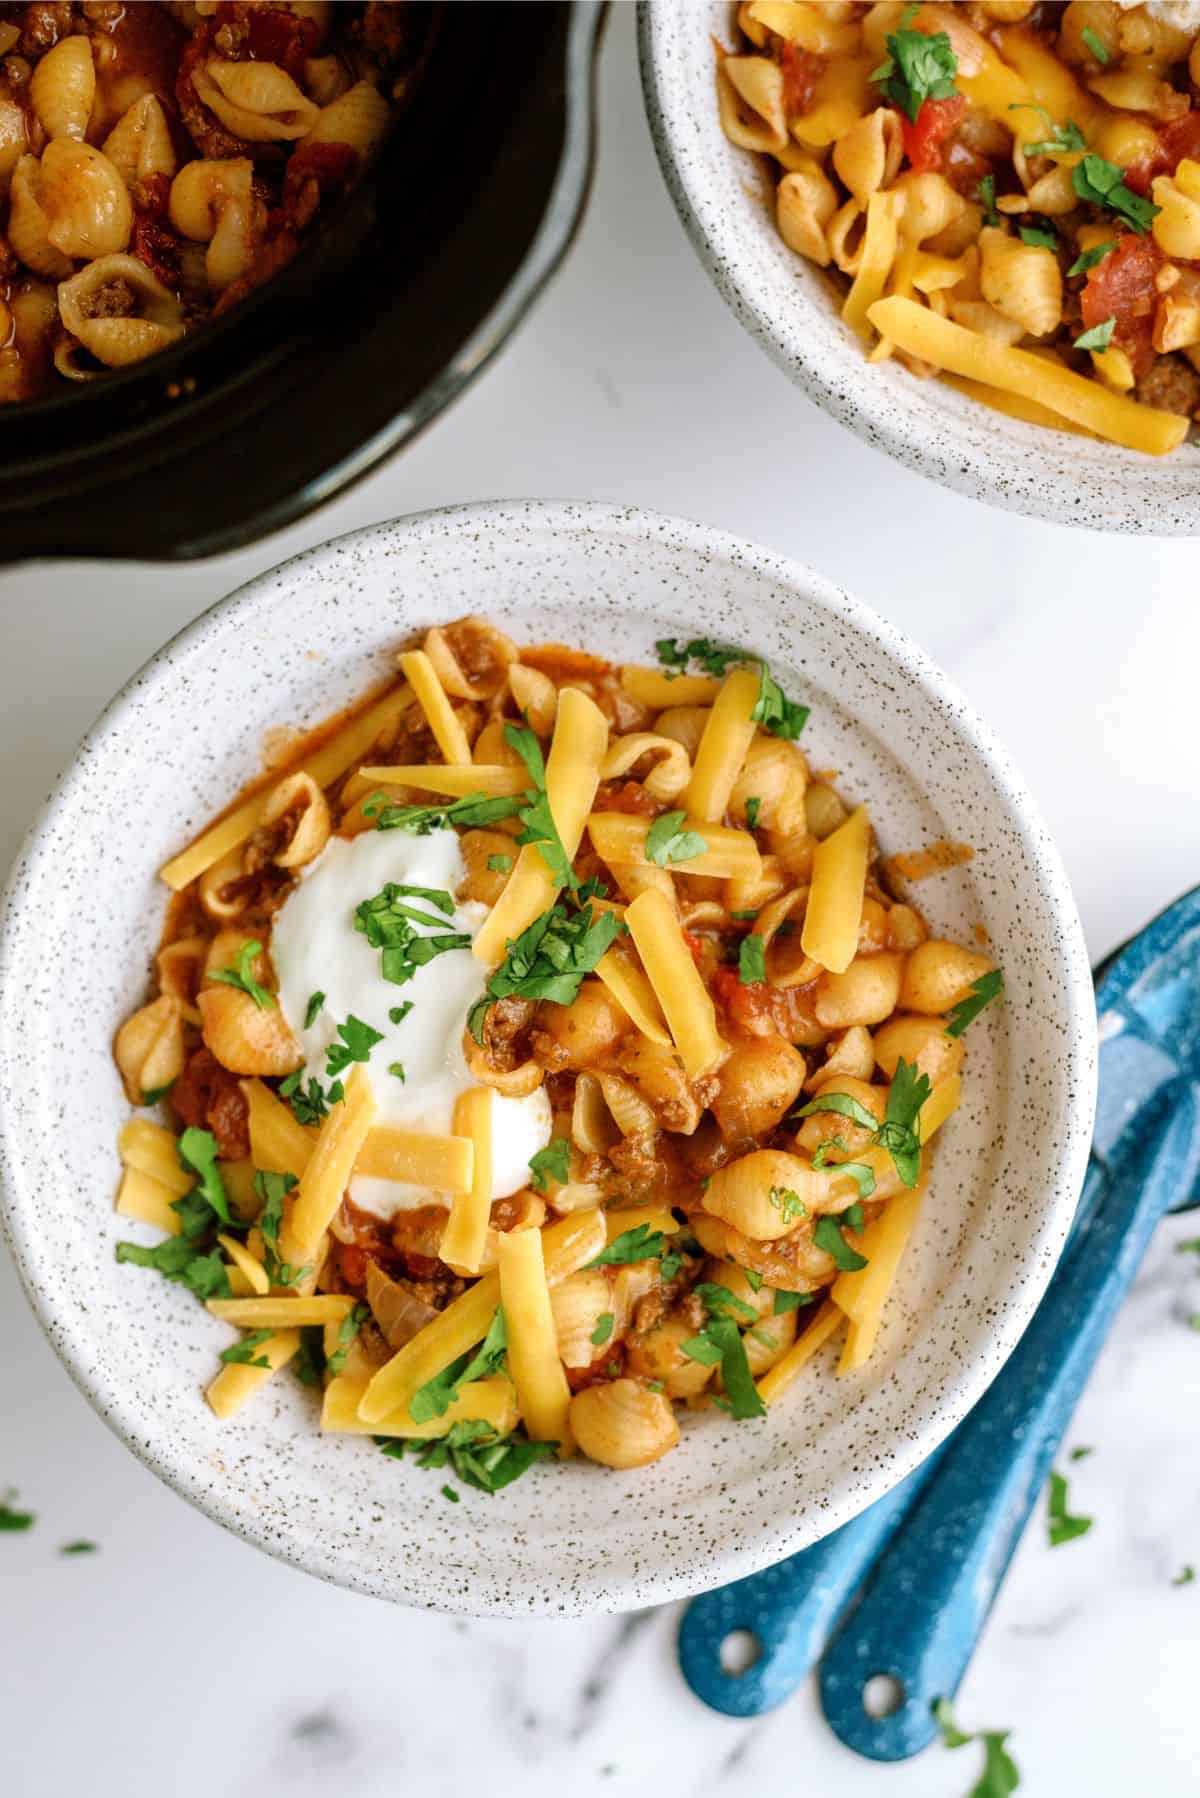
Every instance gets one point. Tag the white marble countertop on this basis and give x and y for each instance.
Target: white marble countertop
(178, 1659)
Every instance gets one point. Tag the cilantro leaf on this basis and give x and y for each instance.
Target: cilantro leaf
(387, 920)
(1099, 337)
(983, 991)
(158, 1092)
(603, 1330)
(240, 976)
(1058, 139)
(348, 1329)
(535, 814)
(1000, 1777)
(435, 1397)
(309, 1363)
(789, 1204)
(1096, 45)
(548, 960)
(1039, 237)
(198, 1152)
(702, 1349)
(752, 965)
(985, 193)
(177, 1259)
(753, 807)
(479, 1456)
(791, 1301)
(10, 1518)
(1102, 183)
(721, 1341)
(358, 1039)
(1185, 1576)
(714, 658)
(271, 1189)
(639, 1244)
(919, 66)
(398, 1013)
(80, 1547)
(550, 1163)
(830, 1236)
(1089, 259)
(308, 1107)
(241, 1354)
(312, 1010)
(667, 841)
(1060, 1525)
(470, 812)
(898, 1131)
(844, 1105)
(778, 715)
(499, 864)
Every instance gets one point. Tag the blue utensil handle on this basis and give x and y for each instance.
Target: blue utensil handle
(788, 1611)
(921, 1615)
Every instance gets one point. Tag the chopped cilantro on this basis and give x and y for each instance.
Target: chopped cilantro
(1000, 1777)
(157, 1092)
(398, 1013)
(1102, 183)
(1098, 338)
(1061, 1526)
(309, 1105)
(348, 1329)
(499, 864)
(745, 917)
(830, 1236)
(791, 1301)
(752, 966)
(1058, 139)
(1081, 1453)
(387, 921)
(309, 1363)
(548, 960)
(312, 1010)
(789, 1204)
(667, 841)
(10, 1518)
(241, 976)
(1038, 237)
(713, 658)
(271, 1189)
(985, 193)
(1185, 1576)
(1189, 1246)
(983, 991)
(79, 1547)
(639, 1244)
(450, 1493)
(721, 1341)
(396, 1069)
(754, 1280)
(535, 813)
(358, 1039)
(472, 812)
(435, 1397)
(603, 1330)
(753, 807)
(778, 715)
(177, 1259)
(919, 66)
(1097, 47)
(241, 1354)
(550, 1163)
(1089, 259)
(477, 1454)
(198, 1153)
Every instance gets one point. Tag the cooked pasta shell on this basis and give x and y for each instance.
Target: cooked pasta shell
(592, 1126)
(63, 88)
(769, 1340)
(246, 1038)
(359, 117)
(515, 1083)
(868, 156)
(823, 1125)
(578, 1304)
(684, 724)
(805, 203)
(622, 1424)
(630, 1111)
(148, 1048)
(664, 764)
(657, 1354)
(139, 144)
(298, 797)
(325, 77)
(14, 140)
(938, 975)
(28, 228)
(535, 697)
(471, 658)
(257, 101)
(750, 101)
(922, 1043)
(1022, 281)
(86, 203)
(775, 773)
(759, 1082)
(741, 1193)
(850, 1053)
(866, 993)
(656, 1072)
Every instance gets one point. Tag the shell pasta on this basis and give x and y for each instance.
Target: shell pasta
(540, 1070)
(1006, 192)
(159, 162)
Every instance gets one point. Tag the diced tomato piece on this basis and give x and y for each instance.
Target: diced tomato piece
(802, 69)
(626, 796)
(1122, 287)
(1176, 141)
(748, 1007)
(937, 121)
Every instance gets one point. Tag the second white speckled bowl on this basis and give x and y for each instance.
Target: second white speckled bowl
(724, 198)
(83, 912)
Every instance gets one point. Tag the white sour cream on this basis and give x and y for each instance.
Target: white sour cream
(1183, 14)
(316, 949)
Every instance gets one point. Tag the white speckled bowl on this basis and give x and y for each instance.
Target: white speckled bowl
(83, 911)
(724, 197)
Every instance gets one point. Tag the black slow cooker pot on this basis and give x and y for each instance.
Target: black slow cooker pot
(401, 296)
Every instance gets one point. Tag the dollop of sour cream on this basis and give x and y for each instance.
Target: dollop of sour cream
(316, 949)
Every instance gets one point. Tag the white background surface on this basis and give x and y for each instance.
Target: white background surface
(179, 1660)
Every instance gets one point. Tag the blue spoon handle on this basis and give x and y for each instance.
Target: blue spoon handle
(920, 1618)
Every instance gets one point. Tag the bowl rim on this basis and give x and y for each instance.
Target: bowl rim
(267, 590)
(895, 429)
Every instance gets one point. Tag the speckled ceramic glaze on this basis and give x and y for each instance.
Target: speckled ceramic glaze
(724, 197)
(83, 911)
